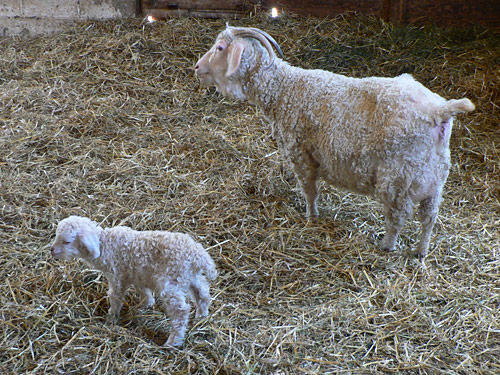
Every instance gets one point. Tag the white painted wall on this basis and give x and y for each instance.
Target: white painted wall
(31, 17)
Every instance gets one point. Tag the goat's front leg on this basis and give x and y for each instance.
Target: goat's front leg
(147, 299)
(115, 294)
(306, 172)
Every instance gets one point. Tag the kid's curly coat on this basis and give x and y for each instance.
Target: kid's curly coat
(171, 265)
(383, 137)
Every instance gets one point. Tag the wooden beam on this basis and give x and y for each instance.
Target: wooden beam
(324, 8)
(441, 12)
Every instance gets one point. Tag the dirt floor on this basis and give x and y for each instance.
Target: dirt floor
(107, 120)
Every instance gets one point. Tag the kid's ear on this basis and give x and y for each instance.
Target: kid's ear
(90, 239)
(234, 57)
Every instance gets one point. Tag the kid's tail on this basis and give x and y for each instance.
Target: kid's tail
(205, 263)
(210, 270)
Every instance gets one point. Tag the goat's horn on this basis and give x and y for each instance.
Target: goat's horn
(264, 38)
(270, 39)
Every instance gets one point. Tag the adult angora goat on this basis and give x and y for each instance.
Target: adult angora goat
(384, 137)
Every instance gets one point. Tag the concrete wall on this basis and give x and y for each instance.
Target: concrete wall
(31, 17)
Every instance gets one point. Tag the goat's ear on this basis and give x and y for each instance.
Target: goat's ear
(235, 50)
(90, 239)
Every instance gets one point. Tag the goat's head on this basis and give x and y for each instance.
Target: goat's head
(234, 55)
(76, 237)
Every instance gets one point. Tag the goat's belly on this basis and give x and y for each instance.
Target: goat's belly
(350, 177)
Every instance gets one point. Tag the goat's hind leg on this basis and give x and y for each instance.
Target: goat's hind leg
(427, 214)
(174, 303)
(395, 218)
(200, 292)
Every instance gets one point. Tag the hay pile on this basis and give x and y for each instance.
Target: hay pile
(107, 120)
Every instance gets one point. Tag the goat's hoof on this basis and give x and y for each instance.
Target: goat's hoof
(312, 219)
(112, 319)
(175, 343)
(148, 304)
(201, 314)
(416, 254)
(420, 255)
(388, 244)
(387, 248)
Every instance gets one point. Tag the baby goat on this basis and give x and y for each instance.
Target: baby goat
(172, 265)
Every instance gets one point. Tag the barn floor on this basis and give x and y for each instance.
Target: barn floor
(107, 120)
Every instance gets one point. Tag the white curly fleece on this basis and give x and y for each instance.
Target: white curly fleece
(171, 265)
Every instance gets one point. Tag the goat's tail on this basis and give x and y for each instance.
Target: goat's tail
(206, 264)
(210, 270)
(453, 107)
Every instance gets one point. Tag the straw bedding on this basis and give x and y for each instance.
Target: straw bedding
(107, 120)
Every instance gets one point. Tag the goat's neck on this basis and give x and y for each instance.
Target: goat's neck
(267, 88)
(103, 261)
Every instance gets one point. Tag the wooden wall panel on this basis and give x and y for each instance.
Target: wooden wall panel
(441, 12)
(323, 8)
(201, 8)
(453, 12)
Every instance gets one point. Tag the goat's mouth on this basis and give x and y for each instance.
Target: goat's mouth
(58, 254)
(204, 78)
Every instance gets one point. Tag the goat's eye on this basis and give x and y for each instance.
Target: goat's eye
(220, 47)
